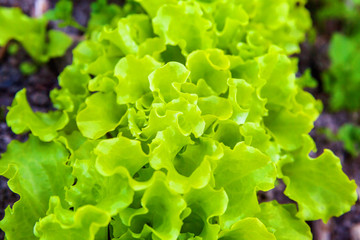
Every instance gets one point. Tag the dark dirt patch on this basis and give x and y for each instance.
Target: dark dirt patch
(26, 5)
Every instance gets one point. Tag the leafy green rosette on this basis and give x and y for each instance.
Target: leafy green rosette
(173, 115)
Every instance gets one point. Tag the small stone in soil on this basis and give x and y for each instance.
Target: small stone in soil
(355, 232)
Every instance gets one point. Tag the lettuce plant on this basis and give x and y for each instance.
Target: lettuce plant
(40, 44)
(171, 118)
(342, 80)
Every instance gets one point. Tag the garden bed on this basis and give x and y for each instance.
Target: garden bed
(313, 56)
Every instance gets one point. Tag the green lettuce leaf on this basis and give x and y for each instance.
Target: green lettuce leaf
(247, 105)
(103, 83)
(281, 221)
(130, 33)
(226, 132)
(152, 6)
(256, 136)
(280, 122)
(241, 172)
(194, 33)
(108, 193)
(319, 186)
(247, 229)
(212, 66)
(162, 80)
(101, 115)
(36, 171)
(74, 80)
(133, 83)
(61, 223)
(180, 113)
(214, 106)
(205, 204)
(21, 119)
(278, 70)
(120, 151)
(154, 218)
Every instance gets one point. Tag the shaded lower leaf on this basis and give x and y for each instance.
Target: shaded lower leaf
(36, 171)
(319, 186)
(280, 220)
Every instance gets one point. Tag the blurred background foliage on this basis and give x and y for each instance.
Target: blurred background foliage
(338, 21)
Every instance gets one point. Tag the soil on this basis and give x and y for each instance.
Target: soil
(313, 56)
